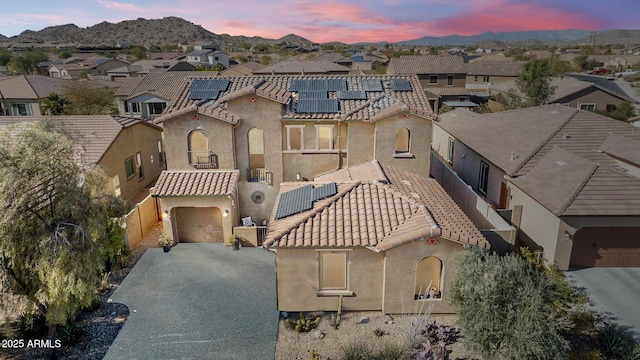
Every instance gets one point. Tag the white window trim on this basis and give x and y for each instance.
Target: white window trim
(587, 104)
(450, 150)
(331, 127)
(301, 127)
(481, 178)
(334, 292)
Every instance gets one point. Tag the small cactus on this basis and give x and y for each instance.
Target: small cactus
(302, 324)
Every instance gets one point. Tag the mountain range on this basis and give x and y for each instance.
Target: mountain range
(175, 30)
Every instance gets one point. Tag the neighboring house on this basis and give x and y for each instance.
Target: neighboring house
(198, 57)
(485, 72)
(299, 67)
(434, 72)
(218, 57)
(569, 178)
(367, 62)
(130, 151)
(382, 238)
(94, 66)
(144, 67)
(22, 95)
(208, 58)
(260, 131)
(243, 69)
(574, 93)
(334, 58)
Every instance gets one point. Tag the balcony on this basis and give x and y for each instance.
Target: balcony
(260, 175)
(203, 159)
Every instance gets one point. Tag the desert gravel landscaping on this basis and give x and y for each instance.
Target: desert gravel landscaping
(292, 345)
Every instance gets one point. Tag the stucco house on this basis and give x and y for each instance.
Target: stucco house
(484, 72)
(568, 179)
(143, 67)
(22, 95)
(294, 66)
(129, 150)
(274, 129)
(442, 77)
(96, 66)
(380, 237)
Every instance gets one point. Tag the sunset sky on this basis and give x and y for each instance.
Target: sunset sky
(348, 21)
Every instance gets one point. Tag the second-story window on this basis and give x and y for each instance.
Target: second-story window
(450, 150)
(134, 107)
(199, 155)
(403, 141)
(256, 148)
(156, 108)
(139, 164)
(160, 152)
(295, 136)
(433, 79)
(483, 178)
(324, 137)
(449, 80)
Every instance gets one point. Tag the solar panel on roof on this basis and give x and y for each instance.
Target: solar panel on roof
(400, 85)
(204, 94)
(317, 106)
(336, 84)
(295, 201)
(318, 85)
(351, 95)
(371, 85)
(312, 95)
(209, 84)
(325, 191)
(301, 199)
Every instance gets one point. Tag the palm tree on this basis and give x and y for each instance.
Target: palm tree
(54, 105)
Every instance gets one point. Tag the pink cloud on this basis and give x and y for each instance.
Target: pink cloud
(114, 5)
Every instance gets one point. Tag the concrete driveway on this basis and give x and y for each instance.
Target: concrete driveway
(199, 301)
(616, 291)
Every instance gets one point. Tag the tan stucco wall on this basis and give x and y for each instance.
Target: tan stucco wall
(298, 279)
(459, 80)
(137, 138)
(360, 146)
(400, 271)
(176, 133)
(221, 202)
(32, 105)
(440, 142)
(420, 143)
(495, 79)
(590, 96)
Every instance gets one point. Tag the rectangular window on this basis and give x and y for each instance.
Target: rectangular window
(134, 107)
(483, 179)
(475, 78)
(160, 152)
(139, 163)
(324, 137)
(333, 270)
(450, 150)
(449, 80)
(462, 99)
(20, 110)
(433, 79)
(485, 78)
(156, 108)
(295, 136)
(588, 107)
(129, 167)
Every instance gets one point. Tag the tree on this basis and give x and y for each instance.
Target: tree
(505, 309)
(5, 56)
(265, 60)
(27, 63)
(65, 54)
(58, 231)
(622, 112)
(140, 52)
(86, 98)
(535, 81)
(581, 61)
(54, 105)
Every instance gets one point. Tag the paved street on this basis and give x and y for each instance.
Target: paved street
(199, 301)
(615, 291)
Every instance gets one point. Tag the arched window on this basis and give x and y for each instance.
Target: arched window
(199, 155)
(403, 141)
(256, 148)
(428, 279)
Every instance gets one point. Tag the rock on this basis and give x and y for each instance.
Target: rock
(363, 320)
(388, 319)
(318, 334)
(113, 313)
(284, 314)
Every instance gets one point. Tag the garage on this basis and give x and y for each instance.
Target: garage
(606, 247)
(198, 224)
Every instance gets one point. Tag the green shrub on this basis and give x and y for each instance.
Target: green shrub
(31, 326)
(356, 350)
(613, 342)
(70, 333)
(392, 351)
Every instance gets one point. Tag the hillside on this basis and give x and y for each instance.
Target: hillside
(614, 37)
(169, 30)
(511, 37)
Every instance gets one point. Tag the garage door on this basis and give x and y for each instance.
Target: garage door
(606, 247)
(199, 224)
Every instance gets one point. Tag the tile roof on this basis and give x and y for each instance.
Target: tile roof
(97, 132)
(295, 66)
(372, 212)
(244, 69)
(563, 87)
(30, 86)
(333, 57)
(428, 64)
(495, 68)
(196, 183)
(555, 144)
(276, 87)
